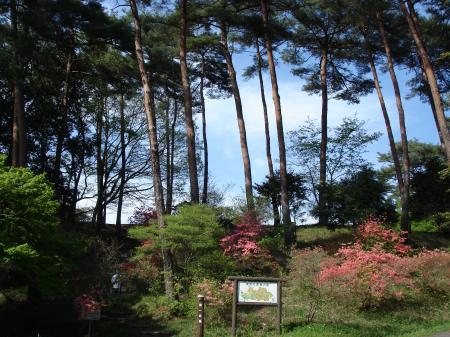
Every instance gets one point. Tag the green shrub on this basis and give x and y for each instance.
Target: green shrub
(158, 307)
(193, 237)
(443, 222)
(30, 246)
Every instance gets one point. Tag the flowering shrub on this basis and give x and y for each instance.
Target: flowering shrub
(243, 244)
(377, 268)
(143, 216)
(218, 298)
(372, 235)
(87, 304)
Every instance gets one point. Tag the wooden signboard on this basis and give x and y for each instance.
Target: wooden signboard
(256, 291)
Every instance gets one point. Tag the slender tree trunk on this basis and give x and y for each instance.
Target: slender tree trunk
(205, 139)
(105, 159)
(425, 81)
(190, 132)
(81, 164)
(276, 213)
(172, 158)
(240, 117)
(123, 164)
(394, 153)
(62, 128)
(323, 204)
(98, 211)
(18, 133)
(431, 78)
(151, 121)
(434, 112)
(168, 155)
(404, 222)
(285, 210)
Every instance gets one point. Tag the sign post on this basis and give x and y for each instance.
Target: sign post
(90, 315)
(201, 316)
(256, 291)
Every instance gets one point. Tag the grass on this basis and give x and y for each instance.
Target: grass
(373, 326)
(313, 236)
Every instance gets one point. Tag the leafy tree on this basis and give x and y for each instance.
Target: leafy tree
(429, 186)
(322, 31)
(347, 142)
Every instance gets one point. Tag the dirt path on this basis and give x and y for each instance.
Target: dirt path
(120, 321)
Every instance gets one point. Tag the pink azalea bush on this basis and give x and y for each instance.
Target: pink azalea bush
(243, 244)
(380, 268)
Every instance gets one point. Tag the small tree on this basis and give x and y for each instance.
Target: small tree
(193, 237)
(359, 195)
(296, 191)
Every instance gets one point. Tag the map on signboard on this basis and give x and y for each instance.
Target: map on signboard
(257, 292)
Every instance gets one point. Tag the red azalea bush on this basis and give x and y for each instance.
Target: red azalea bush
(379, 267)
(243, 244)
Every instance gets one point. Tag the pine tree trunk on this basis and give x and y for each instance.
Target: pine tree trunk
(168, 155)
(240, 117)
(122, 164)
(431, 78)
(276, 213)
(205, 139)
(62, 128)
(18, 133)
(434, 112)
(404, 221)
(289, 235)
(153, 140)
(323, 204)
(190, 132)
(172, 158)
(394, 153)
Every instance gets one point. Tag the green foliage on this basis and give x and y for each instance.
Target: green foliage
(442, 220)
(193, 237)
(140, 232)
(430, 185)
(29, 248)
(159, 307)
(357, 196)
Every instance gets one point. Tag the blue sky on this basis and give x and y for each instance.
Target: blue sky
(297, 106)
